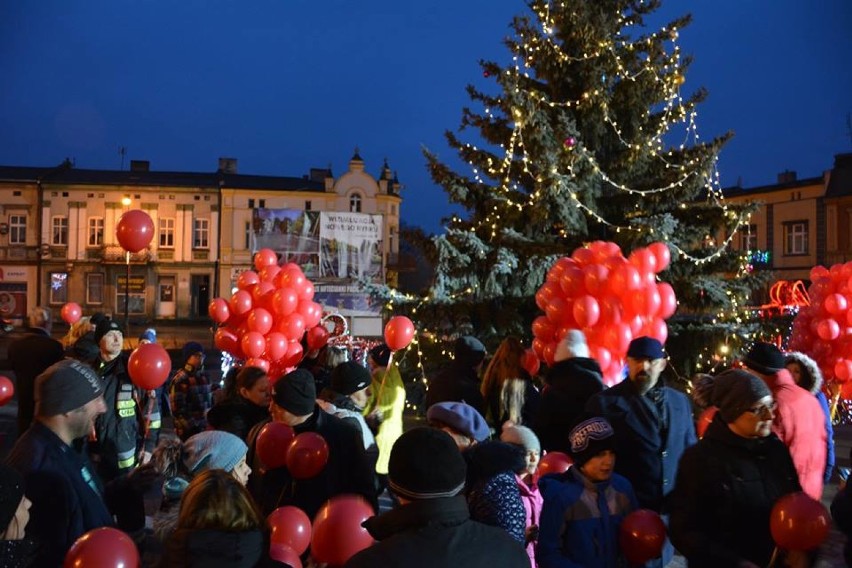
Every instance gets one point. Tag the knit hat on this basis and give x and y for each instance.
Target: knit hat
(349, 377)
(589, 438)
(11, 493)
(191, 348)
(104, 327)
(520, 436)
(149, 334)
(469, 351)
(646, 348)
(764, 358)
(296, 392)
(572, 345)
(66, 386)
(381, 354)
(213, 449)
(462, 418)
(97, 318)
(426, 464)
(735, 391)
(84, 349)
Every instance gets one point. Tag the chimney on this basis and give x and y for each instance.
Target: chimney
(140, 166)
(228, 165)
(786, 177)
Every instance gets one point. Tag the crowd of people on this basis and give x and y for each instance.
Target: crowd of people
(464, 490)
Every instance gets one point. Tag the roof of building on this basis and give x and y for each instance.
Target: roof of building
(737, 191)
(840, 183)
(70, 175)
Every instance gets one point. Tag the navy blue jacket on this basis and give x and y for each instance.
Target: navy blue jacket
(648, 443)
(64, 489)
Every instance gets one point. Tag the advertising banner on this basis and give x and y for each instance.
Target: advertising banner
(351, 246)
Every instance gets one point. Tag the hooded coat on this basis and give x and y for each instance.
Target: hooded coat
(800, 424)
(811, 380)
(568, 385)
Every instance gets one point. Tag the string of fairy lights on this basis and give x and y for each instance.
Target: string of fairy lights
(674, 111)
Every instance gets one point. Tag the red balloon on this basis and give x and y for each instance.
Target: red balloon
(240, 303)
(102, 548)
(399, 332)
(657, 329)
(311, 311)
(557, 310)
(337, 532)
(259, 362)
(226, 340)
(276, 346)
(668, 300)
(530, 362)
(291, 276)
(624, 278)
(253, 344)
(617, 338)
(292, 326)
(71, 313)
(284, 554)
(828, 329)
(307, 455)
(594, 278)
(317, 337)
(218, 310)
(842, 371)
(259, 320)
(149, 366)
(247, 279)
(265, 257)
(572, 281)
(554, 462)
(306, 294)
(799, 522)
(586, 311)
(261, 295)
(7, 390)
(290, 526)
(644, 260)
(272, 442)
(662, 254)
(542, 328)
(818, 272)
(285, 301)
(704, 420)
(835, 304)
(642, 536)
(548, 352)
(583, 256)
(294, 354)
(134, 230)
(545, 294)
(602, 356)
(268, 273)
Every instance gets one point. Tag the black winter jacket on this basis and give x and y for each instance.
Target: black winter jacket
(726, 488)
(568, 385)
(218, 549)
(237, 416)
(456, 382)
(437, 532)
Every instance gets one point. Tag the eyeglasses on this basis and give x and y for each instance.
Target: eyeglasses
(764, 409)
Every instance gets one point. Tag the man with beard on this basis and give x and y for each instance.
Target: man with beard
(652, 423)
(66, 494)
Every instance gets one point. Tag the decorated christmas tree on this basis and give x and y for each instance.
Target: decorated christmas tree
(586, 135)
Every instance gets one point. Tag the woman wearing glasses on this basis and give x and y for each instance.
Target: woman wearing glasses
(728, 482)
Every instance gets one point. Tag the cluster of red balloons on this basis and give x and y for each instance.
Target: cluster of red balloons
(612, 299)
(642, 536)
(305, 455)
(799, 522)
(264, 320)
(336, 534)
(823, 329)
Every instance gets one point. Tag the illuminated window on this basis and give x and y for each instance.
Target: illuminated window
(796, 238)
(201, 233)
(58, 287)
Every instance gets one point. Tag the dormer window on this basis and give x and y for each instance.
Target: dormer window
(355, 203)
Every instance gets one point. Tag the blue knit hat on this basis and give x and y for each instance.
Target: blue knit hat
(213, 449)
(149, 334)
(191, 348)
(462, 418)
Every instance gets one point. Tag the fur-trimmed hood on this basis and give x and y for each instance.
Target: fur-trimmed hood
(811, 375)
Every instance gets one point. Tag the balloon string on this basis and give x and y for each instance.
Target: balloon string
(773, 558)
(834, 402)
(384, 377)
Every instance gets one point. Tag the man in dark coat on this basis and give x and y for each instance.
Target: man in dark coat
(652, 423)
(459, 381)
(347, 471)
(433, 525)
(569, 384)
(30, 356)
(66, 493)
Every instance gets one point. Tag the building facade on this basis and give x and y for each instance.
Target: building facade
(800, 223)
(58, 243)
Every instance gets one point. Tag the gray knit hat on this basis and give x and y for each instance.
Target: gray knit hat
(213, 449)
(735, 391)
(66, 386)
(520, 436)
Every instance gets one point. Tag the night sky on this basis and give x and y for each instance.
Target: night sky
(286, 85)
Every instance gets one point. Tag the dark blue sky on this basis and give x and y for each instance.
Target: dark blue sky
(284, 85)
